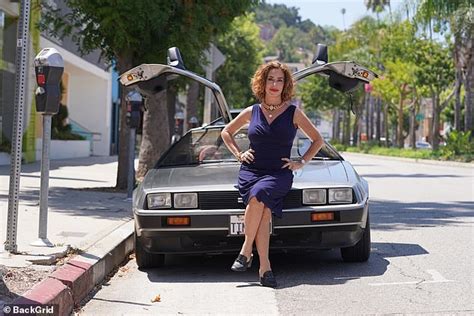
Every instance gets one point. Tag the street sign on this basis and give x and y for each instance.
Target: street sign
(217, 57)
(15, 166)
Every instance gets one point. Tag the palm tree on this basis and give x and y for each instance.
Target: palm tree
(378, 6)
(459, 15)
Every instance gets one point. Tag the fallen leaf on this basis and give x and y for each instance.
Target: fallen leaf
(156, 299)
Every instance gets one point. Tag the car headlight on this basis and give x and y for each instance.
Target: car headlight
(340, 195)
(314, 196)
(185, 200)
(159, 200)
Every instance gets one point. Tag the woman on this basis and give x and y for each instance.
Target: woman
(266, 173)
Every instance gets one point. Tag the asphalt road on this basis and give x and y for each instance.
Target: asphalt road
(422, 260)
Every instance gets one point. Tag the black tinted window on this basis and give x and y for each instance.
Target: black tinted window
(206, 145)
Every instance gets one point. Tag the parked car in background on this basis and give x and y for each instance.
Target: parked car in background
(422, 145)
(189, 203)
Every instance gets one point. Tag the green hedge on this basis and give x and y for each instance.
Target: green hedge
(459, 147)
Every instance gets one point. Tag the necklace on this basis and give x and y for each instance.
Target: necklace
(272, 107)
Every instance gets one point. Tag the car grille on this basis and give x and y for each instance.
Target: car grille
(229, 199)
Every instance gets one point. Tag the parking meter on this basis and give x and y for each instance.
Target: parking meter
(49, 68)
(134, 104)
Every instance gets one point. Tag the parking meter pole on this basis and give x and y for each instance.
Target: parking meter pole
(49, 68)
(131, 163)
(15, 165)
(44, 189)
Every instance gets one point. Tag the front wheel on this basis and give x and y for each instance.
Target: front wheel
(360, 252)
(146, 259)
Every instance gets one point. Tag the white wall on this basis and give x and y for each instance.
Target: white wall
(89, 104)
(89, 93)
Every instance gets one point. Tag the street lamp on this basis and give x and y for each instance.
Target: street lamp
(343, 11)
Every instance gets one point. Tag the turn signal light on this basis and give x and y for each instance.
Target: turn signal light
(322, 217)
(178, 221)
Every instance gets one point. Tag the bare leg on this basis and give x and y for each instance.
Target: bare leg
(262, 241)
(253, 216)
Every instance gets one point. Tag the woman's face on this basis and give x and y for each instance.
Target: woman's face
(275, 83)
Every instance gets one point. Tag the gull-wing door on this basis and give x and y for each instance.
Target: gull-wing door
(150, 79)
(343, 76)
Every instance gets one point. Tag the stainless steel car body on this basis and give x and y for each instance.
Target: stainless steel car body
(214, 183)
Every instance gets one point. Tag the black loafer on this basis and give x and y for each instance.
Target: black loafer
(268, 280)
(241, 264)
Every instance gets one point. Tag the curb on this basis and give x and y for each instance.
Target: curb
(414, 160)
(71, 283)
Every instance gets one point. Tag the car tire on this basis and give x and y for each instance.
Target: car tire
(360, 252)
(145, 259)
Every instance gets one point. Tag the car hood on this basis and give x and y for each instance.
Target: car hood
(223, 177)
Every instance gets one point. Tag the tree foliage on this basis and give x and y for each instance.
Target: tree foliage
(278, 15)
(140, 31)
(243, 50)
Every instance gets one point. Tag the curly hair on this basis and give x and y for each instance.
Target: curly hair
(259, 81)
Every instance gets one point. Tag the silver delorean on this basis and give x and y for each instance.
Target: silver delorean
(189, 203)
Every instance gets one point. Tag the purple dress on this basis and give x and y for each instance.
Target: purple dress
(264, 178)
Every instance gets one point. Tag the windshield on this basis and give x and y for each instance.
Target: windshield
(206, 146)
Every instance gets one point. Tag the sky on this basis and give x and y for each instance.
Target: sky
(327, 12)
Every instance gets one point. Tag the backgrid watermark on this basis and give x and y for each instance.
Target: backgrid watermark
(30, 309)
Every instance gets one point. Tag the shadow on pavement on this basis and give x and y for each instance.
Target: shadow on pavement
(393, 215)
(56, 164)
(91, 203)
(291, 269)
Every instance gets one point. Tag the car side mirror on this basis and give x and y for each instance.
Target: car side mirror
(174, 58)
(321, 56)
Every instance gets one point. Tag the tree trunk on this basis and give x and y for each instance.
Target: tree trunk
(367, 115)
(400, 139)
(337, 125)
(357, 130)
(347, 127)
(123, 64)
(385, 124)
(371, 118)
(469, 88)
(457, 102)
(378, 121)
(413, 111)
(344, 132)
(436, 116)
(458, 64)
(156, 133)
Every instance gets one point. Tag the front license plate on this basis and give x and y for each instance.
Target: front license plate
(237, 226)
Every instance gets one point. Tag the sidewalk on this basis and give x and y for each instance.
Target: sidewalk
(415, 160)
(85, 216)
